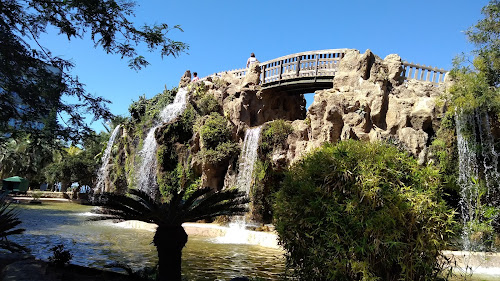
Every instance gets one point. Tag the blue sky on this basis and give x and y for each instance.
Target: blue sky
(222, 34)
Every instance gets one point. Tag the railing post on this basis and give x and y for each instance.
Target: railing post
(297, 66)
(422, 73)
(317, 67)
(263, 71)
(410, 72)
(280, 70)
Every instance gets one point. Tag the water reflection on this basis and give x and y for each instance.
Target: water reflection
(103, 243)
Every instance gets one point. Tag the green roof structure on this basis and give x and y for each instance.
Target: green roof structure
(16, 184)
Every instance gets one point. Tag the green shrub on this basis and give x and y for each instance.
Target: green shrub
(222, 152)
(207, 104)
(274, 135)
(362, 211)
(151, 108)
(266, 183)
(215, 131)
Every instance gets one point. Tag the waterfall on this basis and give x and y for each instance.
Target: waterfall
(146, 175)
(103, 173)
(490, 156)
(247, 159)
(237, 233)
(476, 146)
(467, 173)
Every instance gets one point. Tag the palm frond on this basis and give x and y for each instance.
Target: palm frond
(211, 204)
(138, 205)
(203, 203)
(8, 225)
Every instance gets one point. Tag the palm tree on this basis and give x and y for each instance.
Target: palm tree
(170, 236)
(8, 224)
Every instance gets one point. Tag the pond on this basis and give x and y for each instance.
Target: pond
(101, 243)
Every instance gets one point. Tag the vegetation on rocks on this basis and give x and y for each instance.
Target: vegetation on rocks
(274, 135)
(367, 212)
(172, 153)
(268, 175)
(216, 135)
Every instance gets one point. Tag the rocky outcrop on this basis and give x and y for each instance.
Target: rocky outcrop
(245, 105)
(185, 79)
(370, 101)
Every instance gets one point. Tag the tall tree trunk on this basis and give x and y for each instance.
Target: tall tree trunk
(169, 241)
(64, 186)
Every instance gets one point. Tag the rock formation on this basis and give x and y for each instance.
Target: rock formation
(370, 101)
(185, 79)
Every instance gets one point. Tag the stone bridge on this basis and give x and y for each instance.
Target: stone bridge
(307, 72)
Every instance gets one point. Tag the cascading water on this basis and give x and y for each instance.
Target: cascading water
(477, 146)
(247, 159)
(103, 172)
(467, 172)
(490, 156)
(146, 176)
(236, 233)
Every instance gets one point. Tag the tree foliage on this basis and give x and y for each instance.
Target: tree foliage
(476, 81)
(74, 164)
(367, 212)
(33, 80)
(25, 157)
(485, 35)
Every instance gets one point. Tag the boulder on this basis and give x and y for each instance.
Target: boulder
(252, 77)
(185, 79)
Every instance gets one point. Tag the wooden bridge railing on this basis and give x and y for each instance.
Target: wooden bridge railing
(324, 63)
(306, 64)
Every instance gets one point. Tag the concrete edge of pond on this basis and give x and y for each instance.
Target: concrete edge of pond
(475, 262)
(263, 239)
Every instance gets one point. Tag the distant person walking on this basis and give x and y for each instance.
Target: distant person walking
(195, 77)
(251, 59)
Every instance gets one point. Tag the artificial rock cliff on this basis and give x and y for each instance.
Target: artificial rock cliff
(371, 101)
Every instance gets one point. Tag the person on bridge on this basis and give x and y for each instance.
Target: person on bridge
(195, 78)
(251, 59)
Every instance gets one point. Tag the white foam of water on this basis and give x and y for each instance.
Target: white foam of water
(236, 233)
(479, 144)
(88, 214)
